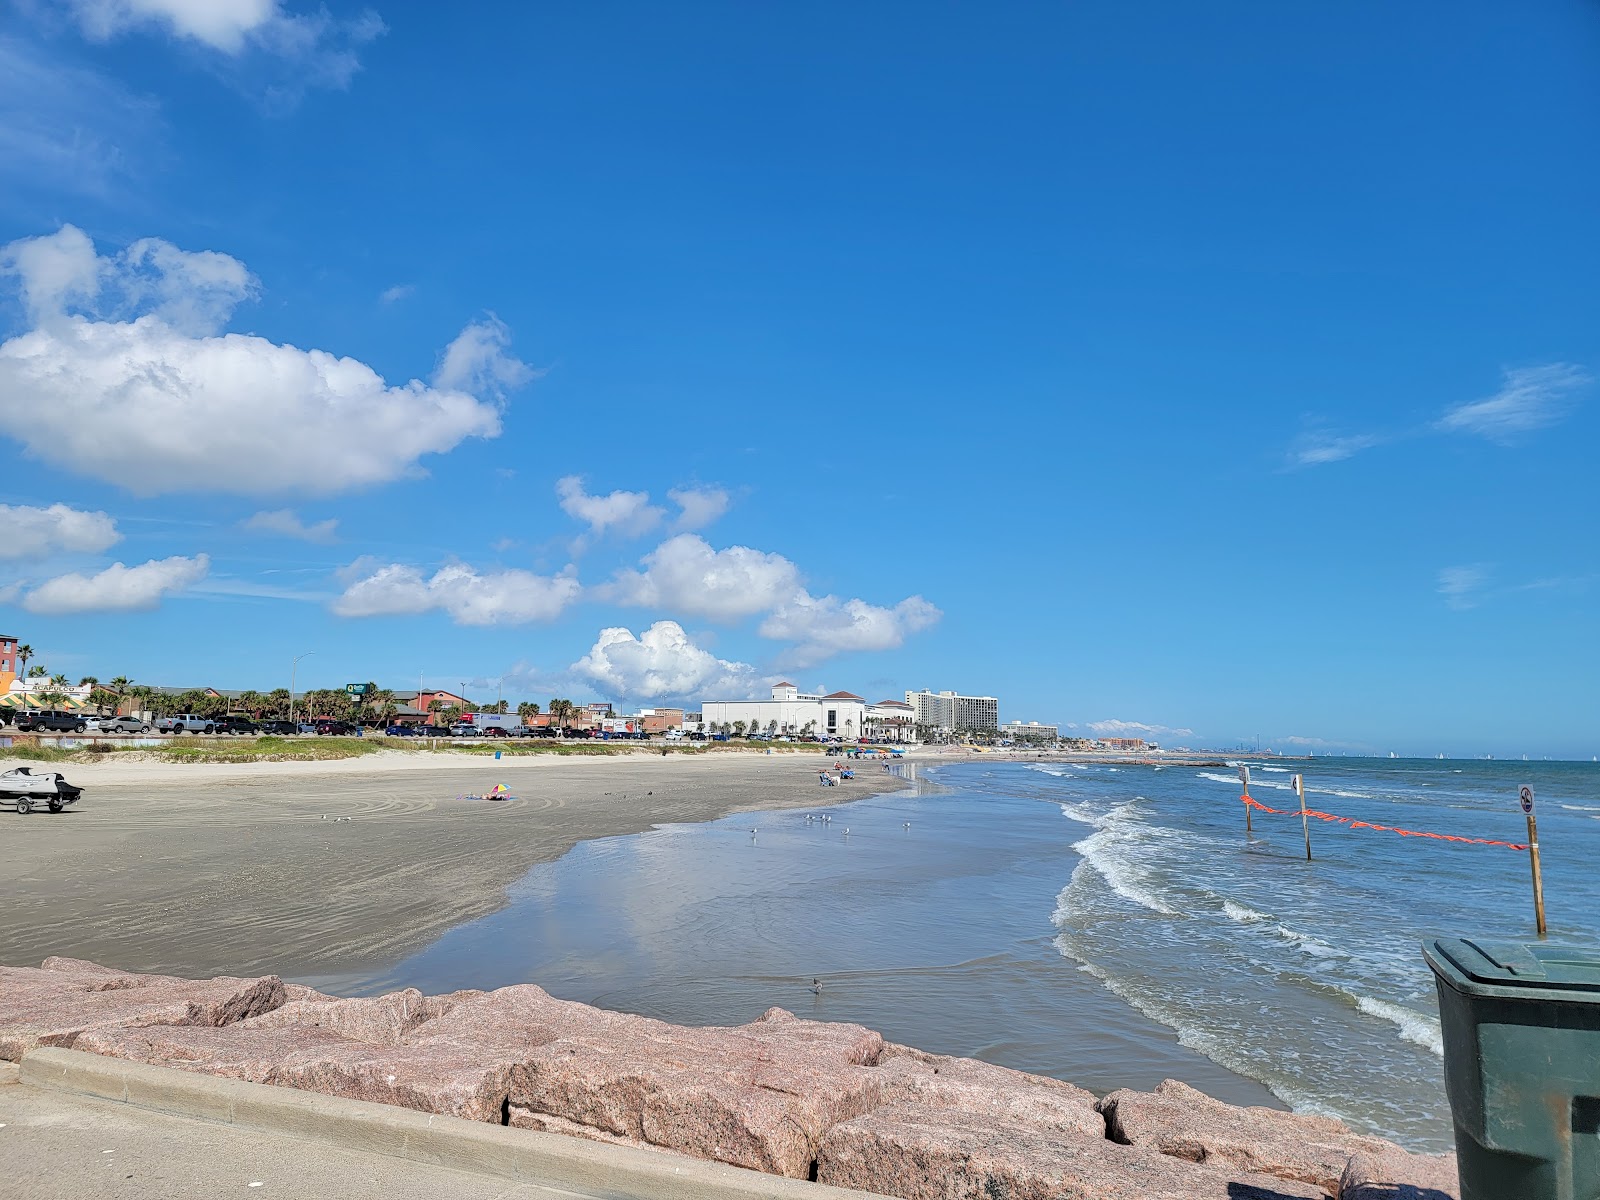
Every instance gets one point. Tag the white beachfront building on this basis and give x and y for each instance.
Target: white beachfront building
(791, 711)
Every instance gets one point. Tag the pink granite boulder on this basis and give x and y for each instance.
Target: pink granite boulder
(758, 1096)
(472, 1083)
(920, 1153)
(1184, 1123)
(973, 1086)
(380, 1020)
(1398, 1175)
(55, 1004)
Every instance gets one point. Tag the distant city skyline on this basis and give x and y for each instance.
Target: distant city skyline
(1186, 374)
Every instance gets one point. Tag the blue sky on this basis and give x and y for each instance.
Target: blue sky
(1226, 370)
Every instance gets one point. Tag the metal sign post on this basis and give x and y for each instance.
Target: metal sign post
(1244, 779)
(1525, 797)
(1305, 823)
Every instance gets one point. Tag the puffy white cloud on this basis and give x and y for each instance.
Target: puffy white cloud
(470, 597)
(824, 626)
(1114, 728)
(700, 506)
(1529, 398)
(118, 588)
(320, 48)
(285, 523)
(685, 574)
(627, 513)
(157, 404)
(660, 662)
(478, 361)
(34, 532)
(53, 272)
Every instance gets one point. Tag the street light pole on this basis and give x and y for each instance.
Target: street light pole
(293, 667)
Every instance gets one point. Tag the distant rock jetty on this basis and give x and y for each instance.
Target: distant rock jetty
(804, 1099)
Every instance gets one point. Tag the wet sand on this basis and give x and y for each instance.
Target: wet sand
(242, 869)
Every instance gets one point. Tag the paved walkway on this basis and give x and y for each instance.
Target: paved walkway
(56, 1146)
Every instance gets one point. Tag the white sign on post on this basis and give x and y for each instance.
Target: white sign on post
(1525, 794)
(1244, 776)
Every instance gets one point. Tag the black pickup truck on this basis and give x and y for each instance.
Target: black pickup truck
(48, 720)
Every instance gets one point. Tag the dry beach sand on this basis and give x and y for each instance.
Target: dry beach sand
(201, 869)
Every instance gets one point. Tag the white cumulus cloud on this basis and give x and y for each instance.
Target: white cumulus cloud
(699, 506)
(627, 513)
(470, 597)
(118, 588)
(822, 626)
(686, 575)
(660, 662)
(1529, 398)
(154, 397)
(1114, 728)
(311, 48)
(34, 532)
(285, 523)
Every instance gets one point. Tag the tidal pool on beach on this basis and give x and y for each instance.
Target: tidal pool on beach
(938, 935)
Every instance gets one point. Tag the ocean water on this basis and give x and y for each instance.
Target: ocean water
(1112, 925)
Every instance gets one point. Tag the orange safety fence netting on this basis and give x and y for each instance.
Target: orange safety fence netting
(1252, 802)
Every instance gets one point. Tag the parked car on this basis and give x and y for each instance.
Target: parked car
(280, 728)
(721, 737)
(492, 731)
(402, 731)
(464, 731)
(674, 735)
(697, 736)
(185, 723)
(544, 731)
(236, 725)
(432, 731)
(121, 725)
(336, 729)
(49, 720)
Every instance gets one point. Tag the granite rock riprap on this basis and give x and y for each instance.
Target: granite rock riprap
(57, 1004)
(918, 1153)
(804, 1099)
(1184, 1123)
(1397, 1175)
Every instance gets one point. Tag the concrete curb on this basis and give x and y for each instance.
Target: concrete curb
(547, 1159)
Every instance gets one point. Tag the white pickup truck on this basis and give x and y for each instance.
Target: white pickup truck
(185, 723)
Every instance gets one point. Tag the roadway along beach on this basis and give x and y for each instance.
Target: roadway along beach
(201, 869)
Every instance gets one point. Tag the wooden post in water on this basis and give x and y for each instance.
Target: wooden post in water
(1305, 822)
(1244, 778)
(1525, 795)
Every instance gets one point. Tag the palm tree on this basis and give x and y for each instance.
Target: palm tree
(38, 673)
(561, 711)
(24, 653)
(526, 711)
(89, 681)
(119, 688)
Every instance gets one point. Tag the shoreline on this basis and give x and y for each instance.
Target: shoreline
(307, 867)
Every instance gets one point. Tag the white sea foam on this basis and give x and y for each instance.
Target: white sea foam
(1242, 912)
(1103, 852)
(1234, 780)
(1313, 946)
(1581, 808)
(1276, 770)
(1084, 815)
(1414, 1026)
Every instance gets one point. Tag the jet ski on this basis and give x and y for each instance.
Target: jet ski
(29, 789)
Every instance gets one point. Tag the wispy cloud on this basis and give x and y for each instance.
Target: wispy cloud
(68, 129)
(1319, 447)
(283, 522)
(1462, 587)
(1529, 398)
(399, 291)
(1115, 728)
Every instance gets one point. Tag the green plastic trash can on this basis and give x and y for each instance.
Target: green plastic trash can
(1521, 1066)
